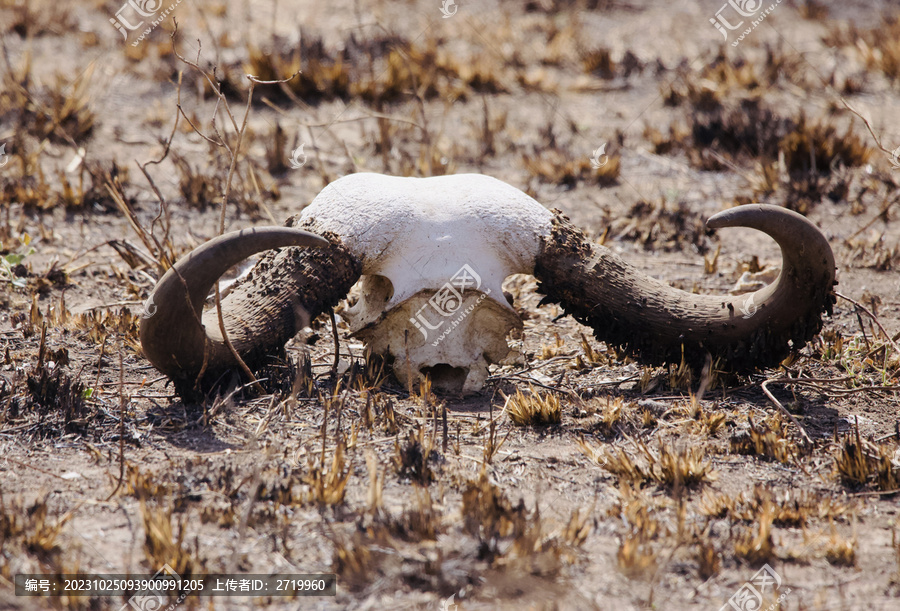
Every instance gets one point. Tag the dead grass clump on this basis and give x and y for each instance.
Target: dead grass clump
(840, 551)
(728, 123)
(143, 485)
(511, 536)
(30, 18)
(610, 417)
(708, 559)
(879, 46)
(284, 490)
(670, 226)
(162, 545)
(534, 408)
(91, 191)
(557, 167)
(668, 466)
(380, 69)
(598, 61)
(795, 509)
(198, 190)
(29, 531)
(322, 76)
(329, 486)
(767, 440)
(872, 252)
(59, 403)
(98, 325)
(360, 557)
(60, 112)
(735, 131)
(590, 357)
(685, 467)
(816, 146)
(860, 463)
(754, 543)
(636, 556)
(421, 521)
(488, 514)
(716, 505)
(415, 458)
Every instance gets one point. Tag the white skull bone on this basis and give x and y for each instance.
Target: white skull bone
(433, 264)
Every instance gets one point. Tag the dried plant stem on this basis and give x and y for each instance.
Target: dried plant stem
(783, 409)
(122, 403)
(872, 316)
(868, 125)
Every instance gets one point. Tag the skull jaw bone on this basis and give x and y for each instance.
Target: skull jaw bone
(453, 349)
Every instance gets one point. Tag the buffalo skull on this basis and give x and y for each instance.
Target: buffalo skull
(432, 254)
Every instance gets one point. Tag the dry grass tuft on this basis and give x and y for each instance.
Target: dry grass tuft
(815, 146)
(795, 509)
(355, 560)
(422, 521)
(862, 463)
(636, 556)
(329, 486)
(511, 536)
(162, 545)
(34, 18)
(708, 559)
(50, 404)
(878, 46)
(728, 124)
(590, 358)
(559, 167)
(415, 458)
(28, 531)
(61, 111)
(754, 543)
(669, 467)
(767, 440)
(380, 69)
(840, 551)
(684, 467)
(143, 485)
(664, 225)
(533, 408)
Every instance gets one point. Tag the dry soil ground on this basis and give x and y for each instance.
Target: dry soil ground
(644, 495)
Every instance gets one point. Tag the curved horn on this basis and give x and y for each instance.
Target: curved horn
(657, 323)
(262, 312)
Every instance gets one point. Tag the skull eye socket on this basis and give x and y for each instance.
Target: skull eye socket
(375, 289)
